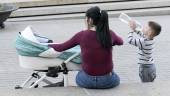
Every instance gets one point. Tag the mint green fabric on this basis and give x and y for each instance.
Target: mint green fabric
(26, 47)
(66, 55)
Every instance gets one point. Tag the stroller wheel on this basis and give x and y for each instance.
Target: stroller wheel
(36, 86)
(18, 87)
(2, 25)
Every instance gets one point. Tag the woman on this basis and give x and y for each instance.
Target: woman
(96, 51)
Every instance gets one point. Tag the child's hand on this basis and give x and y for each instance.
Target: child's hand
(132, 25)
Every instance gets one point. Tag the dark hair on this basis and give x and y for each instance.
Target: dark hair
(100, 20)
(155, 27)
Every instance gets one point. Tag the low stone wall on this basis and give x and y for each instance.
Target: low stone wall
(77, 7)
(34, 3)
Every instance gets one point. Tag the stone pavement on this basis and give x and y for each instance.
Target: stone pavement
(124, 57)
(133, 89)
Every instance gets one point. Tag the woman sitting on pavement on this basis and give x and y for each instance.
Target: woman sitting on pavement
(96, 51)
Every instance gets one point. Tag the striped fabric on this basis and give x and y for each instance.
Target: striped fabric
(145, 47)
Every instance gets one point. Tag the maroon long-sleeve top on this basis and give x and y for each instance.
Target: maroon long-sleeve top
(96, 60)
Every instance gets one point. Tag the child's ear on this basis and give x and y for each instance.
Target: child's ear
(152, 33)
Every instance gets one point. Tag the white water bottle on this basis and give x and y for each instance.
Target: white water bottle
(126, 19)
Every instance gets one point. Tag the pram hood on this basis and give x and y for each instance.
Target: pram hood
(28, 43)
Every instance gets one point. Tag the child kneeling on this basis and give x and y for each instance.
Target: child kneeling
(144, 40)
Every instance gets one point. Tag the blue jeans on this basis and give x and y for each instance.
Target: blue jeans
(97, 82)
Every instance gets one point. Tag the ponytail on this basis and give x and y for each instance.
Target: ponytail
(100, 20)
(102, 30)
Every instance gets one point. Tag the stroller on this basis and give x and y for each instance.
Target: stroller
(34, 54)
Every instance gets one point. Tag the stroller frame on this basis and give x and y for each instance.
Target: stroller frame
(51, 72)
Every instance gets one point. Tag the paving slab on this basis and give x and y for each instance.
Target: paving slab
(132, 89)
(71, 91)
(135, 89)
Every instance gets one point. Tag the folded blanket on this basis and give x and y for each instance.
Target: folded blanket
(30, 45)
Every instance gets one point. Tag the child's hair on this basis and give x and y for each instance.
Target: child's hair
(155, 27)
(100, 20)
